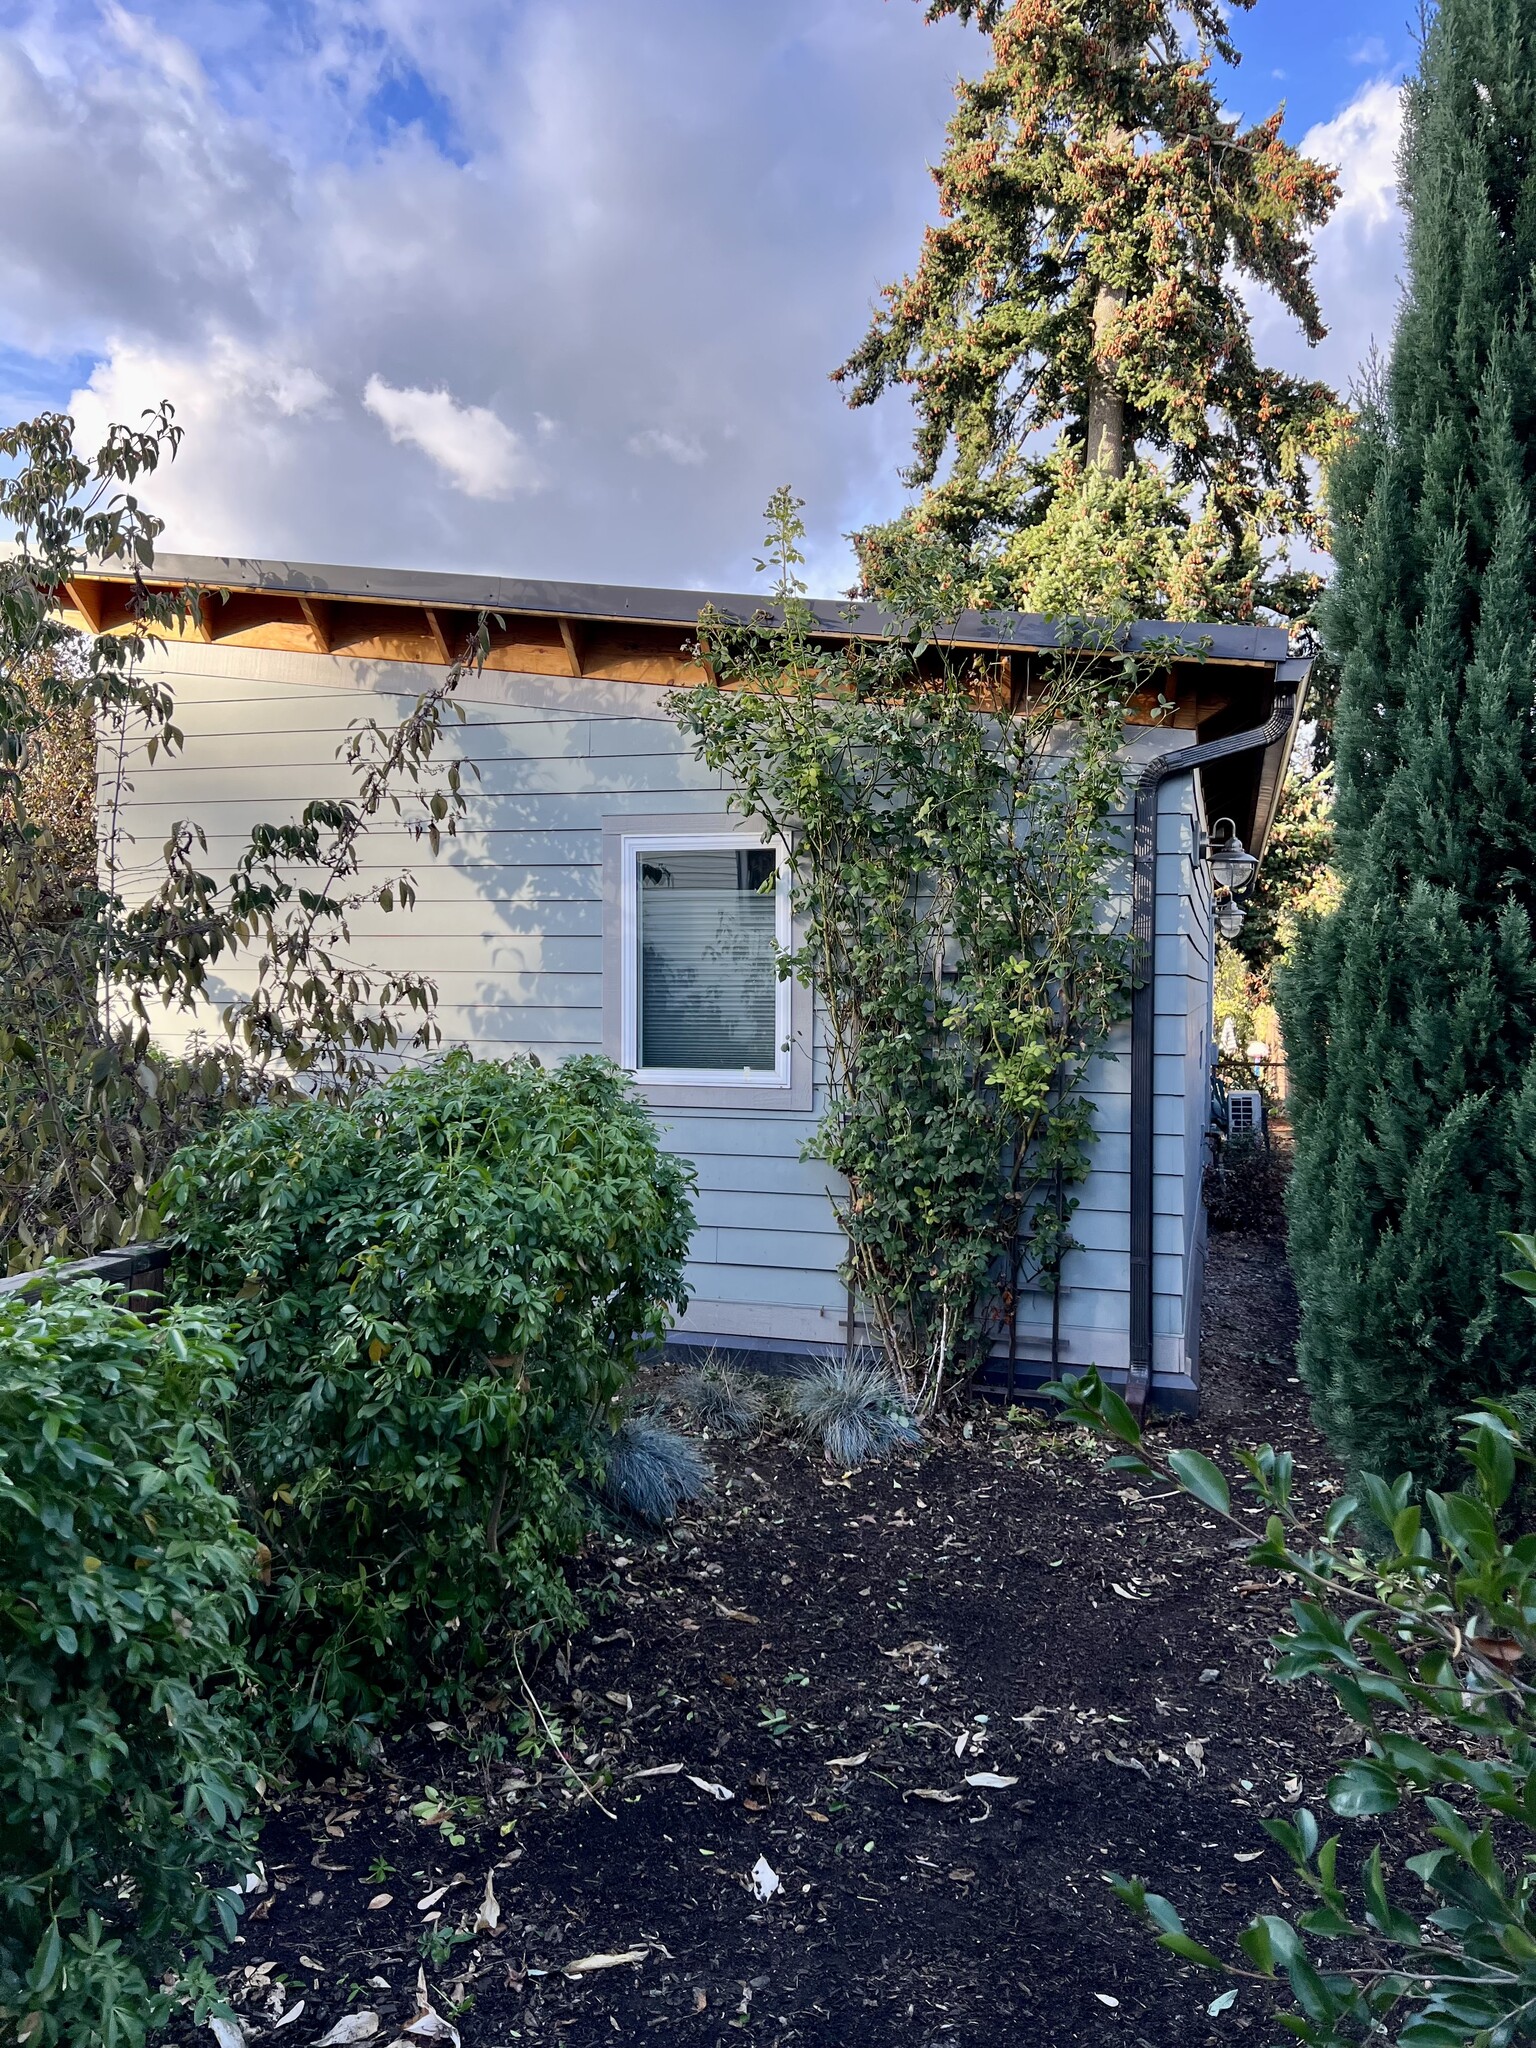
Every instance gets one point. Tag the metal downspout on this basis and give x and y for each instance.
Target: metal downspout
(1290, 683)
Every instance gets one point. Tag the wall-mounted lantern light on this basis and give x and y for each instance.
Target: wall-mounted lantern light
(1233, 870)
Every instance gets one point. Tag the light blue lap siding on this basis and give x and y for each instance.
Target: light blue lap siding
(509, 921)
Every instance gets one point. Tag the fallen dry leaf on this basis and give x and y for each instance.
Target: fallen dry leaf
(488, 1919)
(658, 1771)
(289, 2016)
(989, 1781)
(227, 2033)
(585, 1965)
(428, 2026)
(765, 1879)
(380, 1900)
(425, 1903)
(355, 2026)
(736, 1614)
(715, 1791)
(847, 1763)
(931, 1792)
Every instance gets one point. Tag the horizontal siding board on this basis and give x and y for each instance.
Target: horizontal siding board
(797, 1287)
(787, 1251)
(745, 1207)
(191, 784)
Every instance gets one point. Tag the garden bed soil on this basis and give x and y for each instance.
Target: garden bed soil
(1002, 1605)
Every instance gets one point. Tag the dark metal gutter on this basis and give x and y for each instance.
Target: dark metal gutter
(1276, 732)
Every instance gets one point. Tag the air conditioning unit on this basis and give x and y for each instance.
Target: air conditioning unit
(1245, 1113)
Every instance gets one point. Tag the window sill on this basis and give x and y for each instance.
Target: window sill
(772, 1098)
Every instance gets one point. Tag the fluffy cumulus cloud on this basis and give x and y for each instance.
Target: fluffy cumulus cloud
(472, 447)
(550, 287)
(546, 287)
(1359, 252)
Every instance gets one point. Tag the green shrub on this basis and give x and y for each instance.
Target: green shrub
(436, 1291)
(125, 1586)
(1427, 1640)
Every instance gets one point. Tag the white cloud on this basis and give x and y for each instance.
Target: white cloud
(250, 423)
(1362, 141)
(610, 251)
(1359, 251)
(686, 449)
(469, 443)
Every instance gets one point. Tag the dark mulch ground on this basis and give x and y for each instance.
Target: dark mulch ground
(1002, 1605)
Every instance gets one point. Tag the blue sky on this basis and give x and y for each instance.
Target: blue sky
(545, 287)
(1313, 54)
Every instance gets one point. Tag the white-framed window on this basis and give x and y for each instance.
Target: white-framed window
(703, 918)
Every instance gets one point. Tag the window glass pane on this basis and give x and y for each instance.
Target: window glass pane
(708, 982)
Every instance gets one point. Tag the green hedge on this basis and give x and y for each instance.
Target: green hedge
(436, 1291)
(125, 1585)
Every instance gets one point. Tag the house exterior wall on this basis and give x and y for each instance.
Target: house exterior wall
(509, 921)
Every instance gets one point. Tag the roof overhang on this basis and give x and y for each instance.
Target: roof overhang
(1219, 677)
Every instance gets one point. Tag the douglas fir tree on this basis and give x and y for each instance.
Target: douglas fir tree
(1075, 337)
(1411, 1011)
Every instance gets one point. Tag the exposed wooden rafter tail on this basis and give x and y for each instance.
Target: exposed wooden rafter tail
(440, 638)
(86, 599)
(317, 617)
(572, 646)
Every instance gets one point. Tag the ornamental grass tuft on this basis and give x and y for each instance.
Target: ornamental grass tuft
(722, 1398)
(650, 1472)
(854, 1410)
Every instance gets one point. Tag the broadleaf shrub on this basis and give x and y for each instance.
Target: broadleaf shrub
(126, 1583)
(437, 1288)
(1417, 1609)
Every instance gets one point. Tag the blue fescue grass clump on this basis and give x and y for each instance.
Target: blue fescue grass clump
(722, 1398)
(854, 1410)
(650, 1472)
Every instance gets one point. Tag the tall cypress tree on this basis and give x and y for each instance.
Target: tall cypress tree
(1411, 1011)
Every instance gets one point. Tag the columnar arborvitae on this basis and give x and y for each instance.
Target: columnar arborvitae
(1411, 1011)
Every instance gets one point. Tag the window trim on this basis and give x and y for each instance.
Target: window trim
(789, 1087)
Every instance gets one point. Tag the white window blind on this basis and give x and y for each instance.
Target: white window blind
(707, 979)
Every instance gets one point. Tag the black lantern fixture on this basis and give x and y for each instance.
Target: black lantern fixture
(1233, 870)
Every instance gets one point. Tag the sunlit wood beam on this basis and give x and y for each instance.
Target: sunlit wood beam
(86, 599)
(317, 618)
(435, 627)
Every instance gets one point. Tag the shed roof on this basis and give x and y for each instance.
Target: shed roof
(617, 603)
